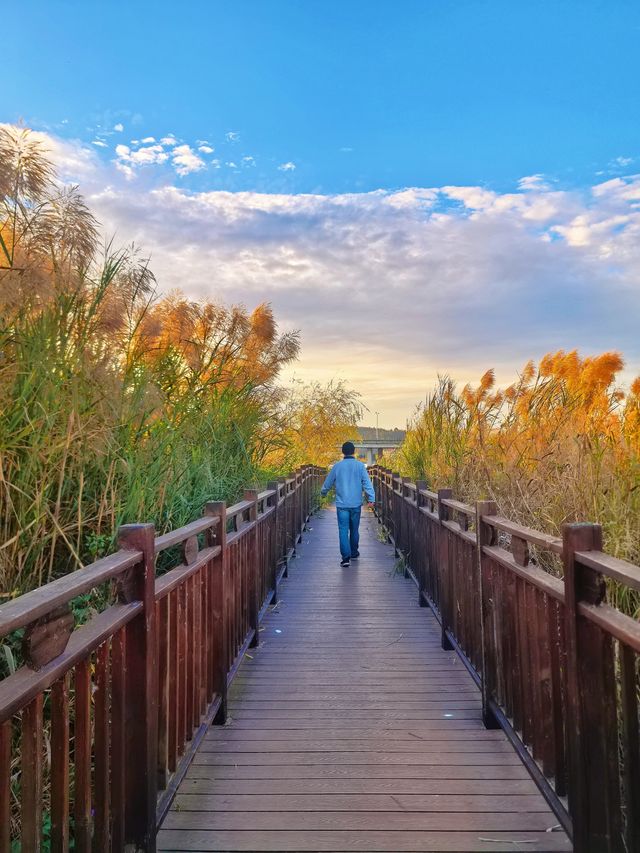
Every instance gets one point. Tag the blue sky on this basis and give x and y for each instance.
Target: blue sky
(421, 187)
(358, 95)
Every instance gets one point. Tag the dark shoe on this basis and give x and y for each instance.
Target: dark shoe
(355, 556)
(345, 563)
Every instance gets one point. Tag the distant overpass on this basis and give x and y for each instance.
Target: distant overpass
(372, 449)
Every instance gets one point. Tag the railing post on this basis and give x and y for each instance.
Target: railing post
(420, 485)
(445, 574)
(485, 535)
(275, 485)
(218, 536)
(386, 508)
(306, 479)
(294, 513)
(254, 585)
(594, 794)
(375, 479)
(299, 508)
(396, 479)
(141, 691)
(406, 520)
(284, 524)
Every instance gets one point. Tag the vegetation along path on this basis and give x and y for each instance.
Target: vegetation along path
(351, 729)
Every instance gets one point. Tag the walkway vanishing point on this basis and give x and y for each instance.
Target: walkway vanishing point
(241, 691)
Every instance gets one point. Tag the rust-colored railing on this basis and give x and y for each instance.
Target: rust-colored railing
(557, 666)
(106, 717)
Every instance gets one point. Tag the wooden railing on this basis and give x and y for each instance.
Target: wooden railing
(123, 700)
(557, 666)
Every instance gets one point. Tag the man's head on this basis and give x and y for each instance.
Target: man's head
(348, 448)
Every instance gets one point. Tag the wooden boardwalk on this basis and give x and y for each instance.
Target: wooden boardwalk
(351, 729)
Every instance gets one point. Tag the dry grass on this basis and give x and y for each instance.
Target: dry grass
(115, 405)
(313, 422)
(561, 444)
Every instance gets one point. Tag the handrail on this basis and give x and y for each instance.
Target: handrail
(542, 540)
(612, 567)
(558, 667)
(140, 682)
(175, 537)
(33, 605)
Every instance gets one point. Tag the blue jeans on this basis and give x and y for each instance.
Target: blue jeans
(348, 524)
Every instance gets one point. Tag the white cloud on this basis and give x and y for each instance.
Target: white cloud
(185, 160)
(206, 149)
(169, 140)
(99, 143)
(413, 197)
(231, 164)
(390, 288)
(148, 140)
(533, 182)
(619, 189)
(232, 136)
(249, 160)
(476, 198)
(128, 160)
(118, 127)
(287, 167)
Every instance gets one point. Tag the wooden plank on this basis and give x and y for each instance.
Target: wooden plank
(352, 730)
(419, 732)
(181, 534)
(82, 758)
(442, 759)
(613, 567)
(594, 775)
(5, 786)
(31, 776)
(466, 804)
(542, 540)
(164, 723)
(60, 765)
(358, 771)
(181, 594)
(141, 693)
(24, 685)
(425, 746)
(118, 738)
(101, 748)
(171, 580)
(292, 729)
(630, 745)
(229, 787)
(33, 605)
(367, 841)
(327, 819)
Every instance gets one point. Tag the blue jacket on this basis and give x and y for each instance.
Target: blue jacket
(350, 479)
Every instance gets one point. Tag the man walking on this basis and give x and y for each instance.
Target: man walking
(350, 479)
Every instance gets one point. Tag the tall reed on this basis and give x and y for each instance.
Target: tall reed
(560, 444)
(115, 405)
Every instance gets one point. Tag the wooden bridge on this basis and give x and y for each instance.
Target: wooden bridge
(448, 692)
